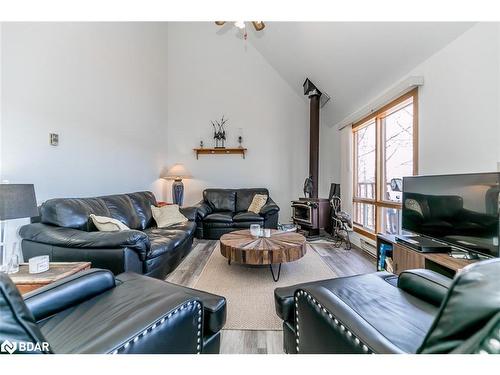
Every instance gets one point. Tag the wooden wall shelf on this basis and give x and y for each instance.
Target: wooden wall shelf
(220, 151)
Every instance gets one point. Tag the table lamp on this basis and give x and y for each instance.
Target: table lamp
(177, 172)
(17, 201)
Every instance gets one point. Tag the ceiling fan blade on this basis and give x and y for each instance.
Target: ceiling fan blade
(259, 25)
(220, 23)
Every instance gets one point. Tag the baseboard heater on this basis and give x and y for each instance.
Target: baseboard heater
(368, 247)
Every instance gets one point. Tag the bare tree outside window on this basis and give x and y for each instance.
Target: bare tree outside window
(366, 142)
(383, 155)
(398, 149)
(366, 147)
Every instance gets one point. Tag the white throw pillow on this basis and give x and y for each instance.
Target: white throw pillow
(258, 201)
(167, 215)
(107, 224)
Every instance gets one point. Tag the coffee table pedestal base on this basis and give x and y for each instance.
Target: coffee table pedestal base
(277, 277)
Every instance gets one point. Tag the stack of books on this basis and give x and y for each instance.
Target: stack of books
(389, 265)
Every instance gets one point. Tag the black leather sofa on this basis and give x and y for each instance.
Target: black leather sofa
(96, 312)
(66, 234)
(226, 210)
(419, 312)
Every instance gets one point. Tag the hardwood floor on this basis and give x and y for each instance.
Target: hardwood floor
(343, 263)
(251, 342)
(191, 267)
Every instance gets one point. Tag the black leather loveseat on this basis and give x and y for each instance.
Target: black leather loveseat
(66, 233)
(419, 312)
(226, 210)
(96, 312)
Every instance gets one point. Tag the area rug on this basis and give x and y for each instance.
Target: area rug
(250, 290)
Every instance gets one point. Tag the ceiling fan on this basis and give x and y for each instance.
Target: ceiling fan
(258, 25)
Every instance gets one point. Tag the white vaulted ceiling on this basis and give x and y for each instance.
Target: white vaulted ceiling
(353, 62)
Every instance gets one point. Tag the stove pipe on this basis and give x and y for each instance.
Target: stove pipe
(314, 103)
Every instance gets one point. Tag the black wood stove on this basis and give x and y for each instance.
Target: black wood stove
(312, 214)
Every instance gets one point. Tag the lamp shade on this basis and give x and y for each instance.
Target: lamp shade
(17, 201)
(177, 171)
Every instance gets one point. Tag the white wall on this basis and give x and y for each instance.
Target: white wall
(498, 103)
(212, 72)
(12, 244)
(147, 88)
(1, 164)
(459, 116)
(459, 113)
(329, 149)
(102, 87)
(120, 95)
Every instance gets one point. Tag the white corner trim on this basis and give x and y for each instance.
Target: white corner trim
(392, 93)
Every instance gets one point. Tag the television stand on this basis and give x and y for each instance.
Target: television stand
(405, 258)
(423, 244)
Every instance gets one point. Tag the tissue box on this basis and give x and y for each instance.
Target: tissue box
(39, 264)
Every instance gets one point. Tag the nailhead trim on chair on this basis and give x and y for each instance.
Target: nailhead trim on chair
(493, 343)
(163, 320)
(337, 323)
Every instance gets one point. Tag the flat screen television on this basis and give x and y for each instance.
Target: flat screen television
(461, 210)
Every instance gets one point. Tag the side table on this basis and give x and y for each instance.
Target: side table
(26, 282)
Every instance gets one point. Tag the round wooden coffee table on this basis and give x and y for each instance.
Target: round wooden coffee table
(282, 247)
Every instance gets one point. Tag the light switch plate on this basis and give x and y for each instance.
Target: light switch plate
(54, 139)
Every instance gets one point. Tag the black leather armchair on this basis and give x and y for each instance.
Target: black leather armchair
(66, 234)
(96, 312)
(419, 312)
(225, 210)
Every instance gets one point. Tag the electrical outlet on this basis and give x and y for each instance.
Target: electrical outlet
(54, 139)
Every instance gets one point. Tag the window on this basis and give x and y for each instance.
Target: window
(385, 150)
